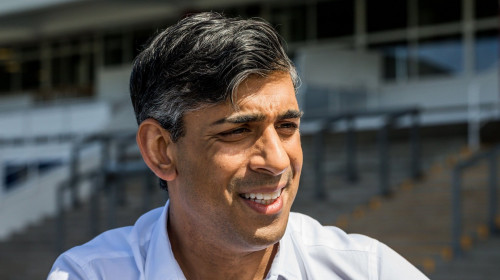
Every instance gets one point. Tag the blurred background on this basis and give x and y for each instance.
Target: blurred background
(401, 130)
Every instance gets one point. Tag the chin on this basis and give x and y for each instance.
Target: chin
(270, 235)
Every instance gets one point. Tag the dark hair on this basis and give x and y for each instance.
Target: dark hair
(201, 60)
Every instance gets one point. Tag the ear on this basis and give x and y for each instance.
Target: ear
(157, 149)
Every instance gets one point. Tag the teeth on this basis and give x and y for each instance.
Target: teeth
(263, 198)
(275, 195)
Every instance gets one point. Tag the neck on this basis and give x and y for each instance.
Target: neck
(201, 259)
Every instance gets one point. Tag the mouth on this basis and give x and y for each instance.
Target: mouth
(267, 203)
(262, 198)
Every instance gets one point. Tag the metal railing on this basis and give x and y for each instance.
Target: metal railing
(491, 156)
(24, 159)
(390, 118)
(105, 178)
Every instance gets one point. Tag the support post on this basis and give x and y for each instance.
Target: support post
(73, 180)
(319, 151)
(384, 161)
(456, 229)
(60, 227)
(350, 142)
(119, 190)
(416, 170)
(493, 181)
(95, 207)
(113, 200)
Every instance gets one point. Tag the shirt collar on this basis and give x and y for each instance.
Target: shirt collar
(286, 265)
(160, 260)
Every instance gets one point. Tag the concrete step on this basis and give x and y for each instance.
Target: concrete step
(416, 222)
(482, 262)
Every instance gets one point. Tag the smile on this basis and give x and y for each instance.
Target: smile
(262, 198)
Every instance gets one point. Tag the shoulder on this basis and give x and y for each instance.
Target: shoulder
(310, 232)
(331, 250)
(83, 262)
(117, 251)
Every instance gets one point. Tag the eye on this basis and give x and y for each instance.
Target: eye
(234, 134)
(287, 128)
(236, 131)
(291, 125)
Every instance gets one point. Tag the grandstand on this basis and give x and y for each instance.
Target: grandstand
(64, 70)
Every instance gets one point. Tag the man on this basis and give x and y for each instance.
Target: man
(219, 125)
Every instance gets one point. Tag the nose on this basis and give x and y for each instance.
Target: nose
(271, 156)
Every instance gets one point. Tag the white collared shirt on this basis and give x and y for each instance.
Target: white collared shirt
(308, 250)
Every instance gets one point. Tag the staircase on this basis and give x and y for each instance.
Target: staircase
(344, 197)
(30, 254)
(416, 221)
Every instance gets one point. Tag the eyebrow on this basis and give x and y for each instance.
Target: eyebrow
(291, 114)
(239, 119)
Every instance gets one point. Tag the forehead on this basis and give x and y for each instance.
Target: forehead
(268, 92)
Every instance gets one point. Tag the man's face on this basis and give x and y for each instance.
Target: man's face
(238, 169)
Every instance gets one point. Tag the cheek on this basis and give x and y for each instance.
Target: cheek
(230, 161)
(294, 150)
(217, 174)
